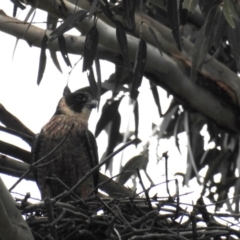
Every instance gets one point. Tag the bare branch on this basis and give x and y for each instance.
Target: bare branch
(11, 121)
(16, 152)
(27, 138)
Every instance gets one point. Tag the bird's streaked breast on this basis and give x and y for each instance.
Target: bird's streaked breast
(60, 125)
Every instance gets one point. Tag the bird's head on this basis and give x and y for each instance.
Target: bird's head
(78, 104)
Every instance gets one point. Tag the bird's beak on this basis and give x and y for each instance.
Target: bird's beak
(92, 104)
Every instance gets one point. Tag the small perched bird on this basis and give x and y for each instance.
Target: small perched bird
(77, 153)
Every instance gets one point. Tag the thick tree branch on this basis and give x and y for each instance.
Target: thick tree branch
(11, 121)
(212, 69)
(165, 71)
(25, 137)
(13, 167)
(14, 151)
(12, 224)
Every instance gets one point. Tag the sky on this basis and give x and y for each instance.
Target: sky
(34, 105)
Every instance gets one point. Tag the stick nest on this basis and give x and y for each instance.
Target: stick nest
(124, 218)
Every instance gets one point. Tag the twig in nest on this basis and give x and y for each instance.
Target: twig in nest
(110, 227)
(72, 233)
(55, 222)
(24, 201)
(178, 228)
(136, 207)
(177, 193)
(117, 233)
(38, 235)
(194, 224)
(107, 181)
(177, 235)
(78, 214)
(165, 155)
(62, 195)
(50, 214)
(110, 210)
(85, 234)
(145, 191)
(141, 220)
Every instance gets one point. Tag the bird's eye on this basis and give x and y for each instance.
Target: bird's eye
(81, 97)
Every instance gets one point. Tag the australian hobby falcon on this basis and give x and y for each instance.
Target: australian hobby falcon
(77, 154)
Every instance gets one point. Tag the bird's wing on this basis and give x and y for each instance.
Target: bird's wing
(34, 153)
(93, 154)
(42, 172)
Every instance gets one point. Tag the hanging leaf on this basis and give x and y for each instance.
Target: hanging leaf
(106, 10)
(206, 5)
(123, 45)
(203, 210)
(230, 12)
(156, 40)
(63, 50)
(63, 8)
(51, 22)
(30, 12)
(139, 67)
(156, 97)
(43, 59)
(234, 39)
(129, 12)
(109, 111)
(219, 29)
(68, 24)
(204, 40)
(90, 48)
(200, 50)
(113, 138)
(166, 121)
(17, 4)
(54, 58)
(190, 5)
(51, 25)
(173, 9)
(175, 131)
(211, 21)
(15, 10)
(191, 159)
(183, 14)
(99, 79)
(92, 9)
(213, 159)
(92, 83)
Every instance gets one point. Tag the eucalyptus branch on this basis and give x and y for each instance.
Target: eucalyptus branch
(10, 120)
(27, 138)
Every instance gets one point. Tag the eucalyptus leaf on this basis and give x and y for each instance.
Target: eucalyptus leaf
(190, 5)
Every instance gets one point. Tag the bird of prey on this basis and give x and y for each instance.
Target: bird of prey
(75, 147)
